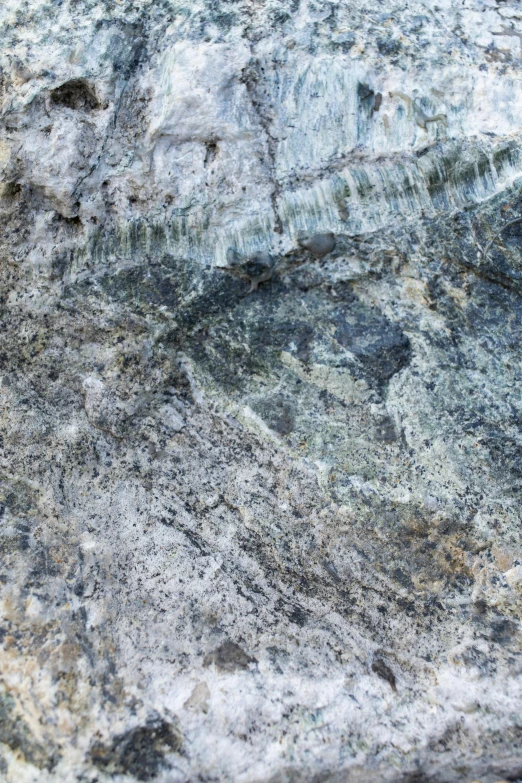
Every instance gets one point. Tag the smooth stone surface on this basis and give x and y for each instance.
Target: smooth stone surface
(319, 244)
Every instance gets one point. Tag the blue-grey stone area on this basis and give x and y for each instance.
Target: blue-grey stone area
(260, 391)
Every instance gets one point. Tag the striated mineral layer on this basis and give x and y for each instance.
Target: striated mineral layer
(260, 382)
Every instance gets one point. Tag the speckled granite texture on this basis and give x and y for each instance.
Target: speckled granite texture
(260, 391)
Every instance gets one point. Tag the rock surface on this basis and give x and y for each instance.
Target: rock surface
(260, 520)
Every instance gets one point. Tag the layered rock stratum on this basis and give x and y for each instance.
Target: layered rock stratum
(260, 467)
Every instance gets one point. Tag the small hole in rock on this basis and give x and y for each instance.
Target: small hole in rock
(75, 94)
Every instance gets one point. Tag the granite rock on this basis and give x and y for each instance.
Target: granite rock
(260, 505)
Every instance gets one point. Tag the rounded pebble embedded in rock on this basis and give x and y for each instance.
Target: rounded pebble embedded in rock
(319, 244)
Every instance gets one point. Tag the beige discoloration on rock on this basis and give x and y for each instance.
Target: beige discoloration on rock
(198, 699)
(503, 557)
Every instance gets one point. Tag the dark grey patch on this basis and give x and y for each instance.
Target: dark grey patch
(502, 630)
(472, 656)
(417, 777)
(278, 412)
(75, 94)
(15, 733)
(383, 671)
(278, 658)
(303, 343)
(385, 431)
(280, 18)
(366, 95)
(298, 616)
(389, 46)
(170, 283)
(236, 336)
(264, 325)
(150, 286)
(60, 263)
(277, 653)
(417, 23)
(344, 42)
(224, 20)
(229, 657)
(250, 339)
(505, 454)
(139, 752)
(402, 577)
(380, 346)
(369, 102)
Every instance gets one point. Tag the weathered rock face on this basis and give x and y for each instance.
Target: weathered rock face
(261, 420)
